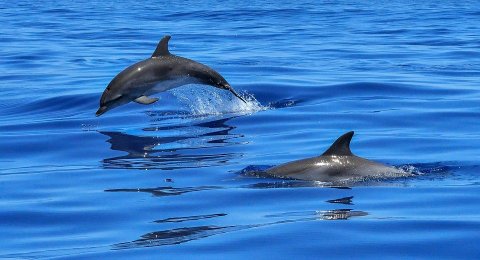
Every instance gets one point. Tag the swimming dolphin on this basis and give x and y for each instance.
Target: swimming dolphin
(337, 164)
(161, 72)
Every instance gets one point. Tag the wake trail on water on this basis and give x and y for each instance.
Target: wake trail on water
(201, 101)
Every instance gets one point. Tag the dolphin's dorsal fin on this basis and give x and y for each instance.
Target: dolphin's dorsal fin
(162, 47)
(341, 146)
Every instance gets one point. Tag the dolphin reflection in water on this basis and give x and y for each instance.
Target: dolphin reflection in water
(163, 147)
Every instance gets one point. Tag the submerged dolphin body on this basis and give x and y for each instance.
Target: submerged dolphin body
(337, 164)
(161, 72)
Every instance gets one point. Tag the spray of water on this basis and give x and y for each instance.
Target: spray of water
(410, 169)
(202, 101)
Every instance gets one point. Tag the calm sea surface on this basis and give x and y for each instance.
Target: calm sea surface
(167, 180)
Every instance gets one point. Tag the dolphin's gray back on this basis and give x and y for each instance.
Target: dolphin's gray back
(336, 164)
(333, 169)
(141, 77)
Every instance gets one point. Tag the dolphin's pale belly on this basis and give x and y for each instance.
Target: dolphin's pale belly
(164, 85)
(334, 169)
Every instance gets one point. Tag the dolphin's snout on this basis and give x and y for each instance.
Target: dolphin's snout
(101, 110)
(106, 103)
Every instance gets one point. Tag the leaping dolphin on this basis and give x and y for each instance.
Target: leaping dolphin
(161, 72)
(336, 165)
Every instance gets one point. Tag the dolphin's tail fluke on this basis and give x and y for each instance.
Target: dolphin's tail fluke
(236, 94)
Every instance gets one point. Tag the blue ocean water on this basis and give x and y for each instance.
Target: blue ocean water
(167, 180)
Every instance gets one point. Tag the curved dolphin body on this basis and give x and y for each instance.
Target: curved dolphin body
(337, 164)
(161, 72)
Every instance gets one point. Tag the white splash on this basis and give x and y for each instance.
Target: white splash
(202, 100)
(409, 169)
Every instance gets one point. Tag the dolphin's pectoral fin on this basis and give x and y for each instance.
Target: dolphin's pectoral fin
(144, 100)
(341, 146)
(162, 47)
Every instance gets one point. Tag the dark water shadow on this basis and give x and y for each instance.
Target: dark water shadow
(333, 214)
(154, 150)
(176, 236)
(179, 235)
(189, 218)
(166, 191)
(345, 201)
(342, 214)
(186, 234)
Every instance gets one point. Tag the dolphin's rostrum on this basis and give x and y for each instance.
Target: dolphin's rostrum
(337, 164)
(161, 72)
